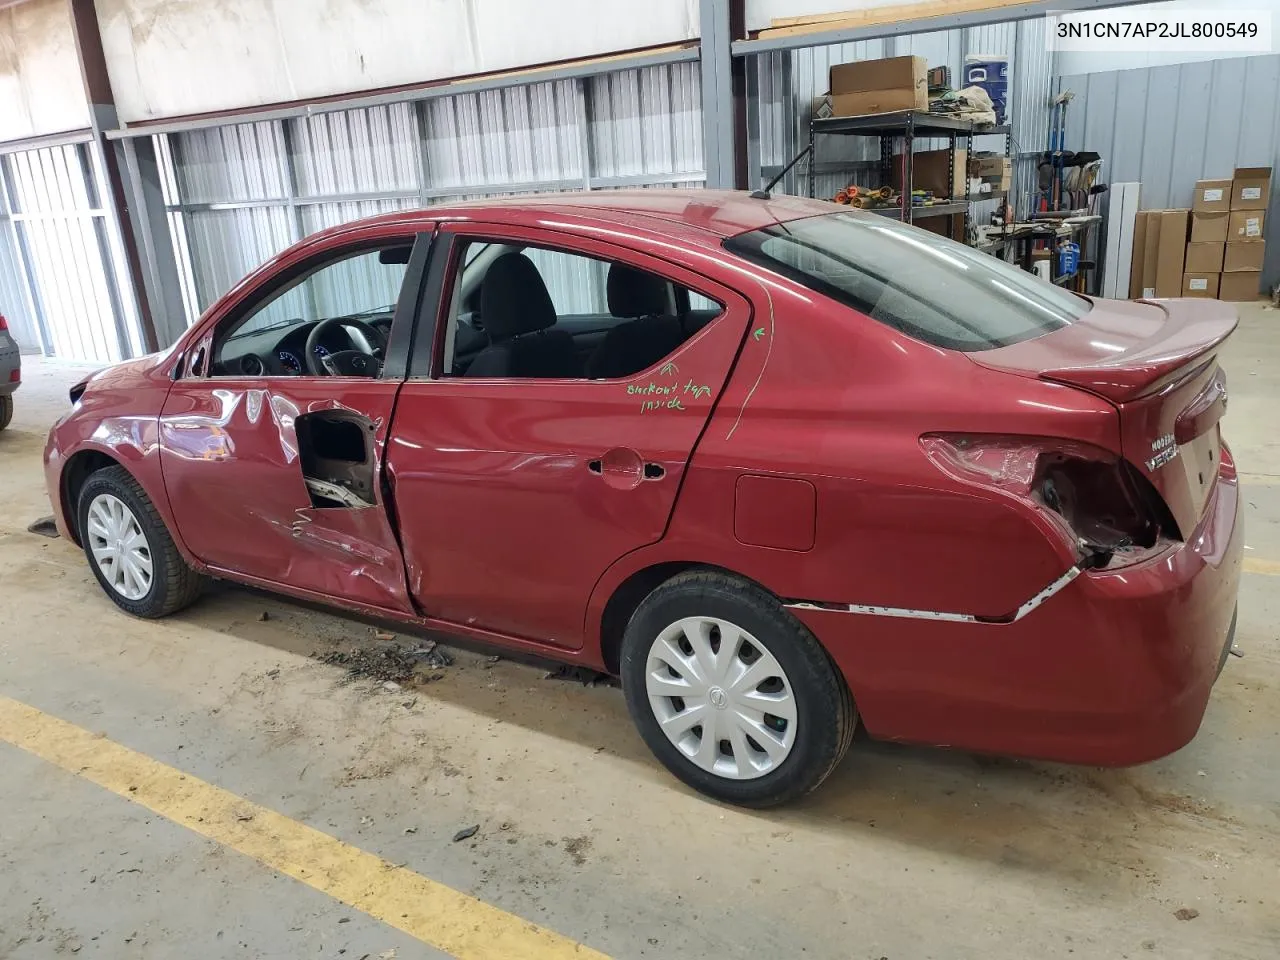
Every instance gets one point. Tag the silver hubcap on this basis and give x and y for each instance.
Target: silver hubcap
(721, 698)
(119, 547)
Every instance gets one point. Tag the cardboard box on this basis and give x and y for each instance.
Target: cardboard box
(1212, 196)
(1251, 188)
(929, 172)
(1200, 285)
(1209, 227)
(1140, 237)
(1170, 253)
(1242, 257)
(997, 171)
(879, 86)
(1150, 255)
(1204, 258)
(1240, 286)
(1247, 225)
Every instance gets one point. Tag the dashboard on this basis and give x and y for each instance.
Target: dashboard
(280, 350)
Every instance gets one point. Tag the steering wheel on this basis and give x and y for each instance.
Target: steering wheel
(345, 363)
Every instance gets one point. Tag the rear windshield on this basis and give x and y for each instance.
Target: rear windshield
(925, 285)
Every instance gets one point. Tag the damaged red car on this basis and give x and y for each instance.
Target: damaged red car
(782, 467)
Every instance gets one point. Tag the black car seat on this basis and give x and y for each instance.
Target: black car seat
(650, 333)
(518, 315)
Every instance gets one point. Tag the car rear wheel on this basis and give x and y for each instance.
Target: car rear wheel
(6, 410)
(129, 547)
(732, 693)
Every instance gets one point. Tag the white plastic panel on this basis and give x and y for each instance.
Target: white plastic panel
(171, 59)
(40, 87)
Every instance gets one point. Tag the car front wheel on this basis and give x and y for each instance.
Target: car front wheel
(732, 693)
(129, 548)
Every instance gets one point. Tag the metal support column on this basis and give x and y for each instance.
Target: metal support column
(754, 179)
(149, 223)
(102, 112)
(717, 94)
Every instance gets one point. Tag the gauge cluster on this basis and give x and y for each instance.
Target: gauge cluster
(279, 351)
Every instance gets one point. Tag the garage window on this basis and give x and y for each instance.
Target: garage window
(925, 285)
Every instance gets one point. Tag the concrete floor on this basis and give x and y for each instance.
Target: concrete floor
(904, 854)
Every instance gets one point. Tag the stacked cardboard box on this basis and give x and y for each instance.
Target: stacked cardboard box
(1245, 229)
(1210, 209)
(1216, 251)
(879, 86)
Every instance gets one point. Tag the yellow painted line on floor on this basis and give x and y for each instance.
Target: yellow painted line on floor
(1260, 479)
(1268, 567)
(433, 913)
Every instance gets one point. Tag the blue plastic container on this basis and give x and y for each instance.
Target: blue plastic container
(991, 73)
(1068, 258)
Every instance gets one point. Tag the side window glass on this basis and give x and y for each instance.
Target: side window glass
(331, 321)
(526, 312)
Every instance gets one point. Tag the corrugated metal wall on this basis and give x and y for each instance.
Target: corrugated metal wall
(239, 194)
(1169, 126)
(63, 252)
(788, 82)
(15, 298)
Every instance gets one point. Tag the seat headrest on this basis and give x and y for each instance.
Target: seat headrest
(513, 298)
(635, 293)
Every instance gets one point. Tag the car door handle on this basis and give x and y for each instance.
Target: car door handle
(623, 468)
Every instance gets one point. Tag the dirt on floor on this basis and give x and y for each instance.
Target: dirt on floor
(398, 743)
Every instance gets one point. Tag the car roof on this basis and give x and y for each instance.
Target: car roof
(715, 214)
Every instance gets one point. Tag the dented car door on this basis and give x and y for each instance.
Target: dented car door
(277, 477)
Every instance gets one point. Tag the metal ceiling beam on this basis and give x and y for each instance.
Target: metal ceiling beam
(515, 78)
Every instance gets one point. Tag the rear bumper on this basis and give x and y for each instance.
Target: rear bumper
(1115, 669)
(10, 360)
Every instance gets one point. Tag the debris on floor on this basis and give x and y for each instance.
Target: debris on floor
(466, 833)
(45, 527)
(576, 848)
(588, 678)
(1186, 913)
(391, 665)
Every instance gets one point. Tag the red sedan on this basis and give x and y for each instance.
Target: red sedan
(780, 465)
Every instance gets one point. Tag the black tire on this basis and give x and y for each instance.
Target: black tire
(825, 714)
(174, 584)
(6, 410)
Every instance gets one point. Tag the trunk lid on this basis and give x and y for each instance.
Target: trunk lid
(1157, 363)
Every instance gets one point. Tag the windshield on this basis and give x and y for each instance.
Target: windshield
(925, 285)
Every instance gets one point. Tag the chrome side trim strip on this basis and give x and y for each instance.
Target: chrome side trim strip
(1021, 612)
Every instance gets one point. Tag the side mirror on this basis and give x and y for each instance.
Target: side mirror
(394, 255)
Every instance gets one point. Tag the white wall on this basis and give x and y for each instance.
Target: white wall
(40, 87)
(1071, 62)
(169, 59)
(761, 12)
